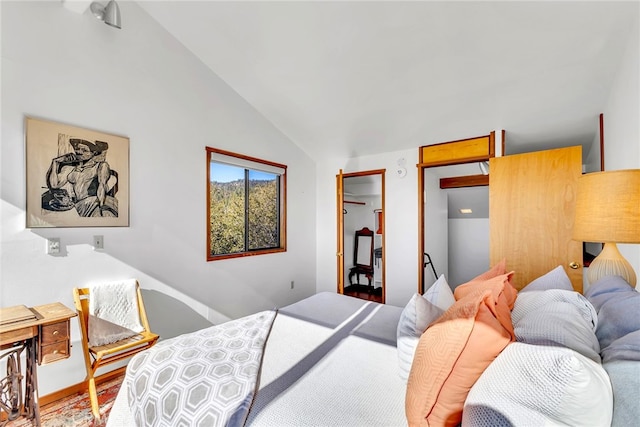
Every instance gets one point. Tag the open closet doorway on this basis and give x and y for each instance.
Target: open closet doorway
(361, 234)
(462, 160)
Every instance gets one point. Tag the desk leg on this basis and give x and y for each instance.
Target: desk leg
(31, 406)
(11, 387)
(11, 398)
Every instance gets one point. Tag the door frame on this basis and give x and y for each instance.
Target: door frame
(340, 225)
(469, 150)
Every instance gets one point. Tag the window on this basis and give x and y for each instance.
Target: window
(246, 209)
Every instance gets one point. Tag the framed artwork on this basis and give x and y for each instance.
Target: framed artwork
(75, 177)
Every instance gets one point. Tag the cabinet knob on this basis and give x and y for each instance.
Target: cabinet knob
(574, 265)
(55, 352)
(56, 332)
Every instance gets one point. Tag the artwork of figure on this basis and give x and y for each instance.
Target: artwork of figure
(75, 177)
(81, 179)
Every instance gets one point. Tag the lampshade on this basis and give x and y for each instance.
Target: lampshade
(608, 211)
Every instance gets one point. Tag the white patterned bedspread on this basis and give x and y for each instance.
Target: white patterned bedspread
(320, 375)
(200, 379)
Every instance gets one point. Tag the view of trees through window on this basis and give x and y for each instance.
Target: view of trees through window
(244, 210)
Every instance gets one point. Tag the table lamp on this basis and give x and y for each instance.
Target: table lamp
(608, 211)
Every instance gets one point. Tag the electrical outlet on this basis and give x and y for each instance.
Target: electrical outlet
(53, 245)
(292, 284)
(98, 242)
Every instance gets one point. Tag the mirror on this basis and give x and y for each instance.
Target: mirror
(362, 258)
(361, 235)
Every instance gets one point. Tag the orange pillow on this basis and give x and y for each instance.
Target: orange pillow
(454, 351)
(497, 286)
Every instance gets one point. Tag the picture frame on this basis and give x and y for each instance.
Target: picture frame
(75, 177)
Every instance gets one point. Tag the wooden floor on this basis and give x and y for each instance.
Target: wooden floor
(364, 292)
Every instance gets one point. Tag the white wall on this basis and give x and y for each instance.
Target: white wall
(468, 249)
(401, 222)
(141, 83)
(622, 126)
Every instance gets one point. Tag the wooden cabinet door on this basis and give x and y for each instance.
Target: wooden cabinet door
(531, 213)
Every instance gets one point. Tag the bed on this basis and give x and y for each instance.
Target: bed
(485, 355)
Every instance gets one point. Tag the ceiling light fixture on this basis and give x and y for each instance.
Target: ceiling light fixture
(109, 14)
(465, 211)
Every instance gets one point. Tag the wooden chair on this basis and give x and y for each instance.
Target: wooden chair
(98, 356)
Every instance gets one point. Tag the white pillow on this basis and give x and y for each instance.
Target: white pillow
(417, 315)
(536, 385)
(440, 294)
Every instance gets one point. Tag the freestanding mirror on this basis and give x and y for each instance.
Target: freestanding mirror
(362, 257)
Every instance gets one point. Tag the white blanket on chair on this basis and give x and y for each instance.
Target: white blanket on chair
(113, 312)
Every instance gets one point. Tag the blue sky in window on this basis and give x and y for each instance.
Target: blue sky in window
(220, 172)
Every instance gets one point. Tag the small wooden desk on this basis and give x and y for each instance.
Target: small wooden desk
(43, 334)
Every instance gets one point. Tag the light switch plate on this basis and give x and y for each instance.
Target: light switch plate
(53, 245)
(98, 242)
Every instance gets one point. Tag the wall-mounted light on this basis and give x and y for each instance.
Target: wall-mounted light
(109, 14)
(484, 168)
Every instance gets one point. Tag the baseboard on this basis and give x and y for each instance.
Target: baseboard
(80, 387)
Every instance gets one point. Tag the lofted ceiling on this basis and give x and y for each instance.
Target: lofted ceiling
(355, 78)
(365, 77)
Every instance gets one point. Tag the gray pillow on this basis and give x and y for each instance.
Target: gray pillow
(625, 381)
(555, 279)
(618, 307)
(417, 315)
(557, 318)
(623, 348)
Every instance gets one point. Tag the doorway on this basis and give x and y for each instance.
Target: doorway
(361, 235)
(461, 159)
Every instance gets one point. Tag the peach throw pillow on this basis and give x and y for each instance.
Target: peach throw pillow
(455, 350)
(496, 270)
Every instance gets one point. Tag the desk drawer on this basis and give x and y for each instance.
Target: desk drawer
(54, 342)
(52, 352)
(55, 332)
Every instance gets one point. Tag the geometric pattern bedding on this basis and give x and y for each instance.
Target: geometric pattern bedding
(205, 378)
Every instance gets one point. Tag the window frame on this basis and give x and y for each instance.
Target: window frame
(245, 161)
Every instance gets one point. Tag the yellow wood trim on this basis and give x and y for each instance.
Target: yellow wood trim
(340, 232)
(384, 242)
(463, 151)
(420, 230)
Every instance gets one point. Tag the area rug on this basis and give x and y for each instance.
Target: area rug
(75, 411)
